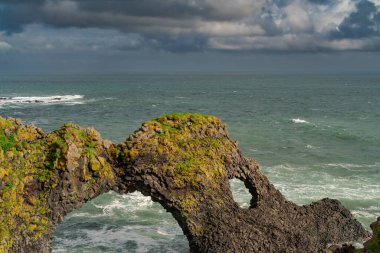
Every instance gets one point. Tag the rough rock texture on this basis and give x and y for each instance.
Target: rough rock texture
(45, 176)
(183, 161)
(370, 246)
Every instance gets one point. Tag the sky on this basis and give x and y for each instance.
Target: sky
(107, 36)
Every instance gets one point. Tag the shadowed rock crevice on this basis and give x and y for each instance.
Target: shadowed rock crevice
(183, 161)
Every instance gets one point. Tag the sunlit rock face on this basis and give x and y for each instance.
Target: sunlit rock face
(183, 161)
(45, 176)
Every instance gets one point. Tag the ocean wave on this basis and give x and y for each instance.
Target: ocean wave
(300, 121)
(353, 166)
(366, 213)
(304, 184)
(240, 193)
(56, 99)
(128, 203)
(136, 237)
(106, 239)
(164, 233)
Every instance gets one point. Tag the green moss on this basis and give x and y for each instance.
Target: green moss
(20, 213)
(374, 243)
(89, 151)
(30, 172)
(5, 124)
(57, 148)
(7, 143)
(191, 149)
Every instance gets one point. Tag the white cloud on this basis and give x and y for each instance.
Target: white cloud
(327, 17)
(292, 42)
(296, 17)
(376, 2)
(4, 46)
(228, 29)
(293, 25)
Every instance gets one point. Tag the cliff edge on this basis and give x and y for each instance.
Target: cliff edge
(183, 161)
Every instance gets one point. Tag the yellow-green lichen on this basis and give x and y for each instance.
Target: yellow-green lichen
(22, 212)
(188, 148)
(30, 162)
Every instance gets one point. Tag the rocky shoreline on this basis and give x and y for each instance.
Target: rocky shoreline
(184, 162)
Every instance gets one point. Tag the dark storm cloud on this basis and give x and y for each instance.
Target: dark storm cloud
(181, 44)
(15, 14)
(198, 25)
(323, 2)
(122, 14)
(363, 23)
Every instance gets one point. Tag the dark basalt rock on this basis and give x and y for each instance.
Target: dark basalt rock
(370, 246)
(183, 161)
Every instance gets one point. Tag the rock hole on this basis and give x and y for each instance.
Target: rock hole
(240, 193)
(120, 223)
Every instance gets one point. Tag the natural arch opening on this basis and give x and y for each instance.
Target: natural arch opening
(120, 223)
(240, 193)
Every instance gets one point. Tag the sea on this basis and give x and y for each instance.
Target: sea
(314, 135)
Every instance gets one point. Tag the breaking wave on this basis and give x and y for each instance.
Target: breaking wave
(58, 99)
(300, 121)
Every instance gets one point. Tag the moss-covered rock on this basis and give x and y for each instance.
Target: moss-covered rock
(183, 161)
(44, 176)
(373, 245)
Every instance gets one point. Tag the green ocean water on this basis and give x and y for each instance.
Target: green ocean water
(315, 136)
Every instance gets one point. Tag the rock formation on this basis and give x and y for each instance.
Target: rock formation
(183, 161)
(370, 246)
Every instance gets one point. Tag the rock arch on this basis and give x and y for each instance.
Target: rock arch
(183, 161)
(115, 222)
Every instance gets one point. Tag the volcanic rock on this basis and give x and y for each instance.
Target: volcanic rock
(183, 161)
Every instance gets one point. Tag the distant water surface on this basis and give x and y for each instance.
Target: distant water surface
(315, 136)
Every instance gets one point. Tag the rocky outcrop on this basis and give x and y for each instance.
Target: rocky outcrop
(370, 246)
(183, 161)
(45, 176)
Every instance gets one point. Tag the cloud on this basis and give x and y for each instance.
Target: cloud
(4, 46)
(362, 23)
(38, 38)
(199, 25)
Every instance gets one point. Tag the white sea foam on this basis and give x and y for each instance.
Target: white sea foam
(57, 99)
(300, 121)
(358, 245)
(367, 213)
(128, 203)
(351, 165)
(317, 177)
(305, 184)
(107, 238)
(83, 214)
(240, 193)
(145, 232)
(165, 233)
